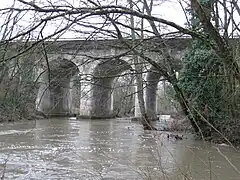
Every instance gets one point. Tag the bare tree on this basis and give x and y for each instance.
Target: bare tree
(98, 19)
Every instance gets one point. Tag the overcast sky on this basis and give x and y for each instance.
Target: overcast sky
(169, 10)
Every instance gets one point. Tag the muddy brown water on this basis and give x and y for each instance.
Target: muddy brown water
(108, 149)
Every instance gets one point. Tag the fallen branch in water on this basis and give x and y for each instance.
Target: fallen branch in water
(228, 160)
(4, 169)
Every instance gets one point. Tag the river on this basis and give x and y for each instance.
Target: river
(108, 149)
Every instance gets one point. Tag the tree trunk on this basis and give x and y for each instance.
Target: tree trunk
(184, 105)
(140, 94)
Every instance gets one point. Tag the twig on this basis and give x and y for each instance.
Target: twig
(227, 159)
(4, 169)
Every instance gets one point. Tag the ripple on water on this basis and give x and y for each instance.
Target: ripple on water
(105, 149)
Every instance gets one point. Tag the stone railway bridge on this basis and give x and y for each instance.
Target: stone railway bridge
(80, 75)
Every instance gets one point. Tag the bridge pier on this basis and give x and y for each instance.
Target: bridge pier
(153, 77)
(137, 111)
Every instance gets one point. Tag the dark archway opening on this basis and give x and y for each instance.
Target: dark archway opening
(159, 96)
(103, 77)
(55, 96)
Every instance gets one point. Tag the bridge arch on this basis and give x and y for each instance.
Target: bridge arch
(103, 76)
(152, 105)
(56, 86)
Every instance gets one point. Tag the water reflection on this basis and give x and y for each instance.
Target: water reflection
(108, 149)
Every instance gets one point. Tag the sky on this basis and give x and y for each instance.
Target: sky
(170, 10)
(166, 9)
